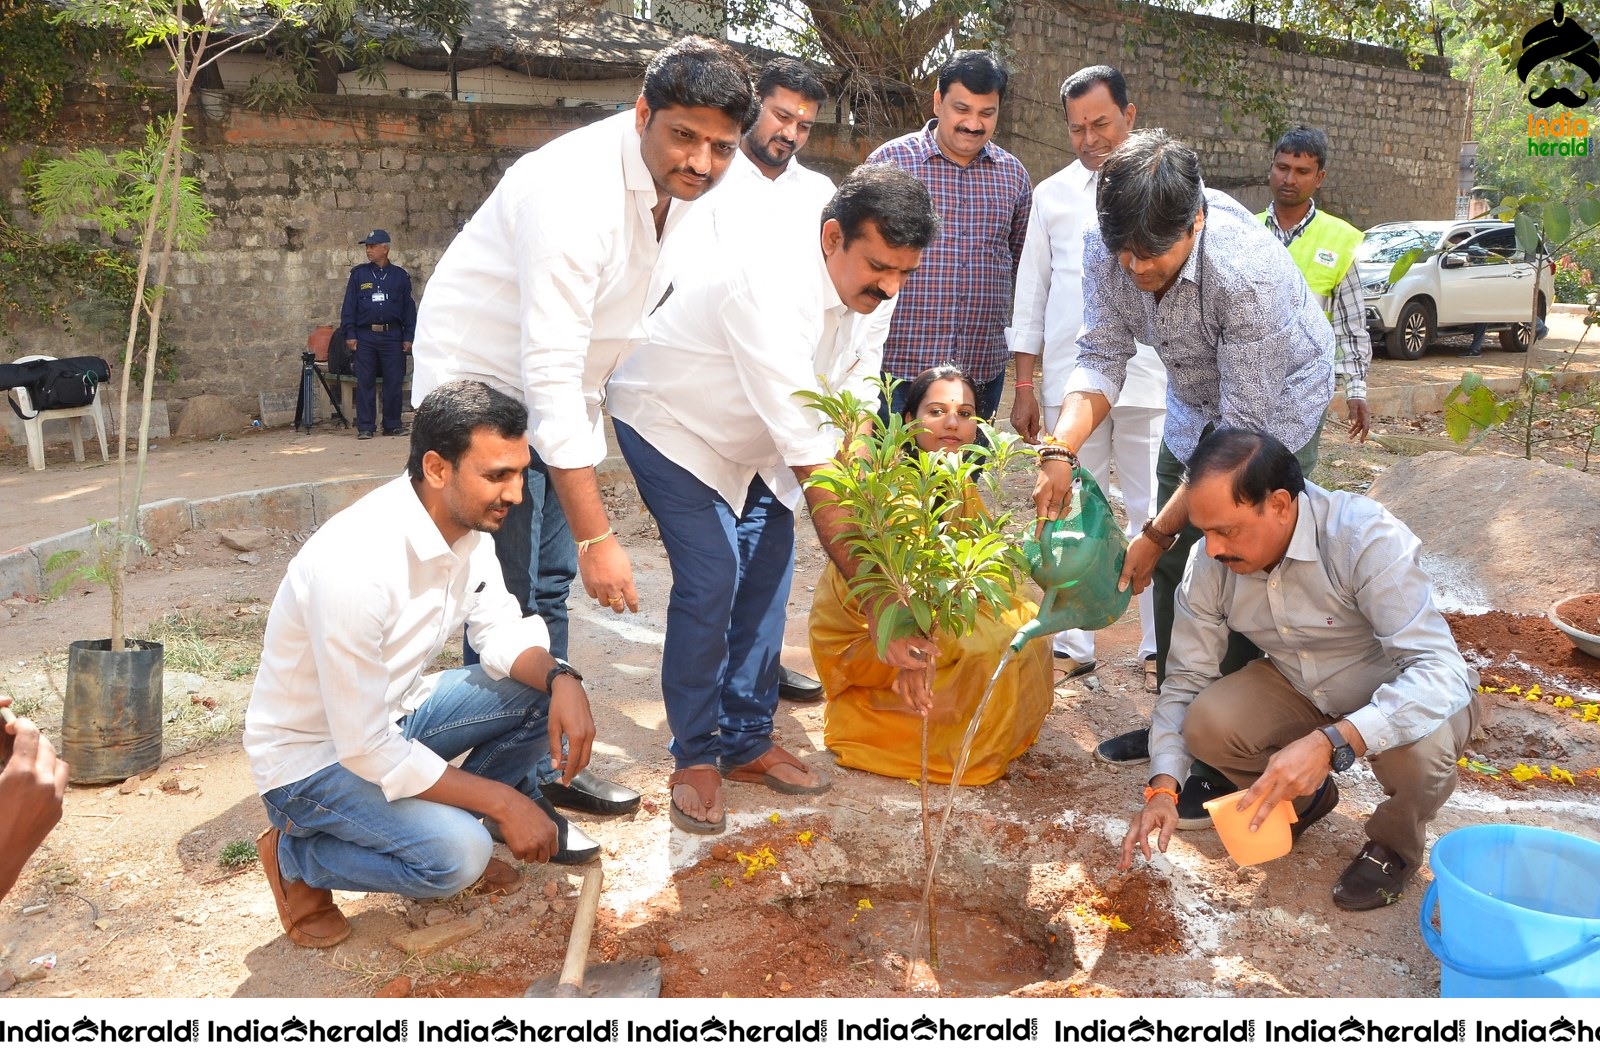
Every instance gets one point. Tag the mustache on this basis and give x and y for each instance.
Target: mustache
(876, 292)
(1560, 95)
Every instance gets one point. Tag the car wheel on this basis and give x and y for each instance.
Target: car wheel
(1515, 339)
(1413, 331)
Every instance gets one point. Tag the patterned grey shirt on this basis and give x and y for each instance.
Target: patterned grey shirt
(1347, 617)
(1243, 338)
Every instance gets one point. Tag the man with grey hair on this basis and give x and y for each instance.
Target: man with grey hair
(1048, 315)
(1191, 272)
(1324, 249)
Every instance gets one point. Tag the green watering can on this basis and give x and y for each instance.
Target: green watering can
(1077, 560)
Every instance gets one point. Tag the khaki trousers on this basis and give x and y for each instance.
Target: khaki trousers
(1239, 721)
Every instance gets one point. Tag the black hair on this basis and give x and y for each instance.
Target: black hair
(696, 72)
(1082, 83)
(918, 388)
(1304, 140)
(978, 72)
(448, 415)
(1150, 190)
(1259, 463)
(888, 197)
(792, 74)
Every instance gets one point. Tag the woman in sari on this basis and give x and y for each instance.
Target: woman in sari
(874, 714)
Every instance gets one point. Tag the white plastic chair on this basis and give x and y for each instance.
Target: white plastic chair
(34, 427)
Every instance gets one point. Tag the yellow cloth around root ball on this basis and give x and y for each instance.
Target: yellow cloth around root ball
(862, 734)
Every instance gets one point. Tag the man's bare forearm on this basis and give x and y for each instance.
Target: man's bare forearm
(579, 491)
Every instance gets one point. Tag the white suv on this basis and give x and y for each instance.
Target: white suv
(1477, 277)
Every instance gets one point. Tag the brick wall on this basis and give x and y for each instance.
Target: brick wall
(292, 194)
(1395, 133)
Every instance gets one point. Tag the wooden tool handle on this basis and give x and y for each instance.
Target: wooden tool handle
(582, 928)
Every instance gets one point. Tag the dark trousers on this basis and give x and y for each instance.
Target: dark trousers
(731, 569)
(379, 353)
(1169, 568)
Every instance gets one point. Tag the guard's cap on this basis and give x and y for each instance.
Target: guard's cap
(377, 235)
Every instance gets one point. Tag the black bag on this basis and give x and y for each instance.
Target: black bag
(67, 383)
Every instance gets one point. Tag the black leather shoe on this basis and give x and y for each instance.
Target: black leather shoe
(591, 794)
(1322, 804)
(797, 686)
(1376, 878)
(1203, 785)
(362, 436)
(1129, 749)
(574, 846)
(398, 432)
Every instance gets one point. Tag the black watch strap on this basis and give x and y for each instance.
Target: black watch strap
(561, 667)
(1344, 756)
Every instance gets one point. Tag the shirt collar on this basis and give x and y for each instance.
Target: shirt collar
(635, 174)
(831, 302)
(420, 531)
(931, 144)
(1303, 542)
(1080, 176)
(1294, 233)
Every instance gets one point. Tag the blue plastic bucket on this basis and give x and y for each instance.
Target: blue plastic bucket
(1519, 910)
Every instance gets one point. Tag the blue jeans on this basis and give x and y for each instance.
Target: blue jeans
(379, 353)
(730, 588)
(538, 561)
(340, 832)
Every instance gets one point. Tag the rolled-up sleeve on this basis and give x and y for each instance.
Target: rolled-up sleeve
(345, 621)
(496, 627)
(1106, 343)
(560, 261)
(1434, 681)
(1194, 660)
(1026, 333)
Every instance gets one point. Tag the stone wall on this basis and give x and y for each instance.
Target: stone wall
(1395, 132)
(292, 194)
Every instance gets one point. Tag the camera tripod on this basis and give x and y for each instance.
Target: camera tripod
(305, 408)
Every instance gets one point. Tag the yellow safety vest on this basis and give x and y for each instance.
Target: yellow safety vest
(1324, 252)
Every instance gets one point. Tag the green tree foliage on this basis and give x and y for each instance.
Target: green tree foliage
(360, 35)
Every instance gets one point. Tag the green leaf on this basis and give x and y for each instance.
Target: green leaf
(1589, 212)
(1527, 234)
(1557, 225)
(1403, 264)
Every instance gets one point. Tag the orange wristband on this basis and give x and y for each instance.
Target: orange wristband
(1150, 793)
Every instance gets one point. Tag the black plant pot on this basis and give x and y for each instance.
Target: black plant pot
(111, 726)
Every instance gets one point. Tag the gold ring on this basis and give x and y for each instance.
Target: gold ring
(615, 599)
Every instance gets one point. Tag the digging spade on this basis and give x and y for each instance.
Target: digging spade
(641, 978)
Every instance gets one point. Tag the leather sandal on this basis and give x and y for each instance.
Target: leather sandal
(760, 772)
(498, 878)
(706, 781)
(1151, 683)
(308, 914)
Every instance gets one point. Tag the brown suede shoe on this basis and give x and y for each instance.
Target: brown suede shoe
(498, 878)
(308, 914)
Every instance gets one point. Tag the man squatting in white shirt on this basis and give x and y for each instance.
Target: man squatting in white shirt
(349, 740)
(543, 294)
(707, 416)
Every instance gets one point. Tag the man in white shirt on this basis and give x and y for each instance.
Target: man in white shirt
(350, 740)
(765, 181)
(707, 416)
(544, 293)
(1049, 314)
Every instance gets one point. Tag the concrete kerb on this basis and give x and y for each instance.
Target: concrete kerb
(300, 507)
(303, 506)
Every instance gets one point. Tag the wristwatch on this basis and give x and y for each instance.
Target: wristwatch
(1344, 756)
(1163, 541)
(561, 667)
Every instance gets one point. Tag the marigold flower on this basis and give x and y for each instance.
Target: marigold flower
(1526, 773)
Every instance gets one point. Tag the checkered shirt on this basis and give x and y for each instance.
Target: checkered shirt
(955, 308)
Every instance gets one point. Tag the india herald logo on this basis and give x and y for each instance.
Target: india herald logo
(1561, 40)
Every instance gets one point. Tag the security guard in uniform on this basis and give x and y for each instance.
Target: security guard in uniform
(379, 320)
(1324, 247)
